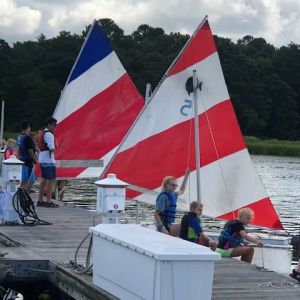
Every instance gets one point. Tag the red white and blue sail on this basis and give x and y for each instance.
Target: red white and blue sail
(97, 106)
(161, 142)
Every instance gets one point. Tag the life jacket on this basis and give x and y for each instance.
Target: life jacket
(186, 231)
(168, 216)
(23, 153)
(42, 145)
(8, 152)
(228, 239)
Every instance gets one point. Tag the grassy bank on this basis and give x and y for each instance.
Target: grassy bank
(255, 145)
(272, 147)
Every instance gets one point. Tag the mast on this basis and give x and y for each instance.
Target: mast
(148, 92)
(197, 141)
(153, 95)
(2, 120)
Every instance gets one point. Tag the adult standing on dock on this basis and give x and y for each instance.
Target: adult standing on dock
(26, 153)
(46, 144)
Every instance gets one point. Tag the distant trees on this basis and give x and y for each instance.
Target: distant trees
(263, 81)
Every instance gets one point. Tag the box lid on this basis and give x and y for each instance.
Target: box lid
(152, 243)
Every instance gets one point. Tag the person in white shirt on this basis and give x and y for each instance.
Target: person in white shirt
(46, 144)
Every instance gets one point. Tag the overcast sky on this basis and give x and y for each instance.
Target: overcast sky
(278, 21)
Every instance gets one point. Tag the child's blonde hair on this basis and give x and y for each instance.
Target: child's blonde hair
(166, 181)
(11, 143)
(246, 212)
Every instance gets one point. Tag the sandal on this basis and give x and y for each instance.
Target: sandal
(41, 203)
(51, 204)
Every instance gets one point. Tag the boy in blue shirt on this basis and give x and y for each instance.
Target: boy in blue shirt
(191, 228)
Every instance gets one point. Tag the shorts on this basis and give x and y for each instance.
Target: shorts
(26, 173)
(203, 242)
(159, 229)
(48, 171)
(224, 252)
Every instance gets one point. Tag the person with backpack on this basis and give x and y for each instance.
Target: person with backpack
(166, 203)
(26, 153)
(46, 144)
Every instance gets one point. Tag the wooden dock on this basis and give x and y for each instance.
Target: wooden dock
(45, 250)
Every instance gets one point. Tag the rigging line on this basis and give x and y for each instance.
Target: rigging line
(119, 147)
(218, 157)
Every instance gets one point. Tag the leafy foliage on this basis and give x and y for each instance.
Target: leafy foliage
(263, 81)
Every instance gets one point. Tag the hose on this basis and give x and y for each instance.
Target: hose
(24, 207)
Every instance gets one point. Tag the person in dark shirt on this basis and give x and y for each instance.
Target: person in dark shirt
(191, 228)
(26, 153)
(231, 238)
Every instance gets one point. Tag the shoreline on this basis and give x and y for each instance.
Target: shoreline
(273, 147)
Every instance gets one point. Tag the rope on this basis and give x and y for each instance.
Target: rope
(24, 206)
(79, 268)
(218, 157)
(278, 284)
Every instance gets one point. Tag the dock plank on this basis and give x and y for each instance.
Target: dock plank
(233, 279)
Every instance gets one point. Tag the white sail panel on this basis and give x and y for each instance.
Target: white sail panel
(154, 118)
(88, 85)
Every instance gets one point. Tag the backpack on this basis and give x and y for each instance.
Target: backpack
(42, 145)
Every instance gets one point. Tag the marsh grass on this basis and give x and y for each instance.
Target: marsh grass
(272, 147)
(255, 145)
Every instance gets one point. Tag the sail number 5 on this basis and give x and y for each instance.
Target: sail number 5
(184, 110)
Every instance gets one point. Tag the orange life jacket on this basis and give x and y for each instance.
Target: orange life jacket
(8, 152)
(42, 145)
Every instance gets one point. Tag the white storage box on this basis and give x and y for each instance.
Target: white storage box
(133, 262)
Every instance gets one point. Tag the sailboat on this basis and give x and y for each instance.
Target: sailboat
(161, 143)
(96, 108)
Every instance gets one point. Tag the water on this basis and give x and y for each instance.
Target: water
(280, 175)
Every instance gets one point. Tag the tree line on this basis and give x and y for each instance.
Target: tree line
(263, 81)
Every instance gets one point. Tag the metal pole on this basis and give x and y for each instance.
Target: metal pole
(137, 212)
(197, 141)
(148, 91)
(2, 120)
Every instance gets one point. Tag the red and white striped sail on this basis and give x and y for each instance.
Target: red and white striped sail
(97, 107)
(161, 141)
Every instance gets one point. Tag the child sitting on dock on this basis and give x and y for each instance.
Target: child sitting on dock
(191, 229)
(166, 203)
(231, 238)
